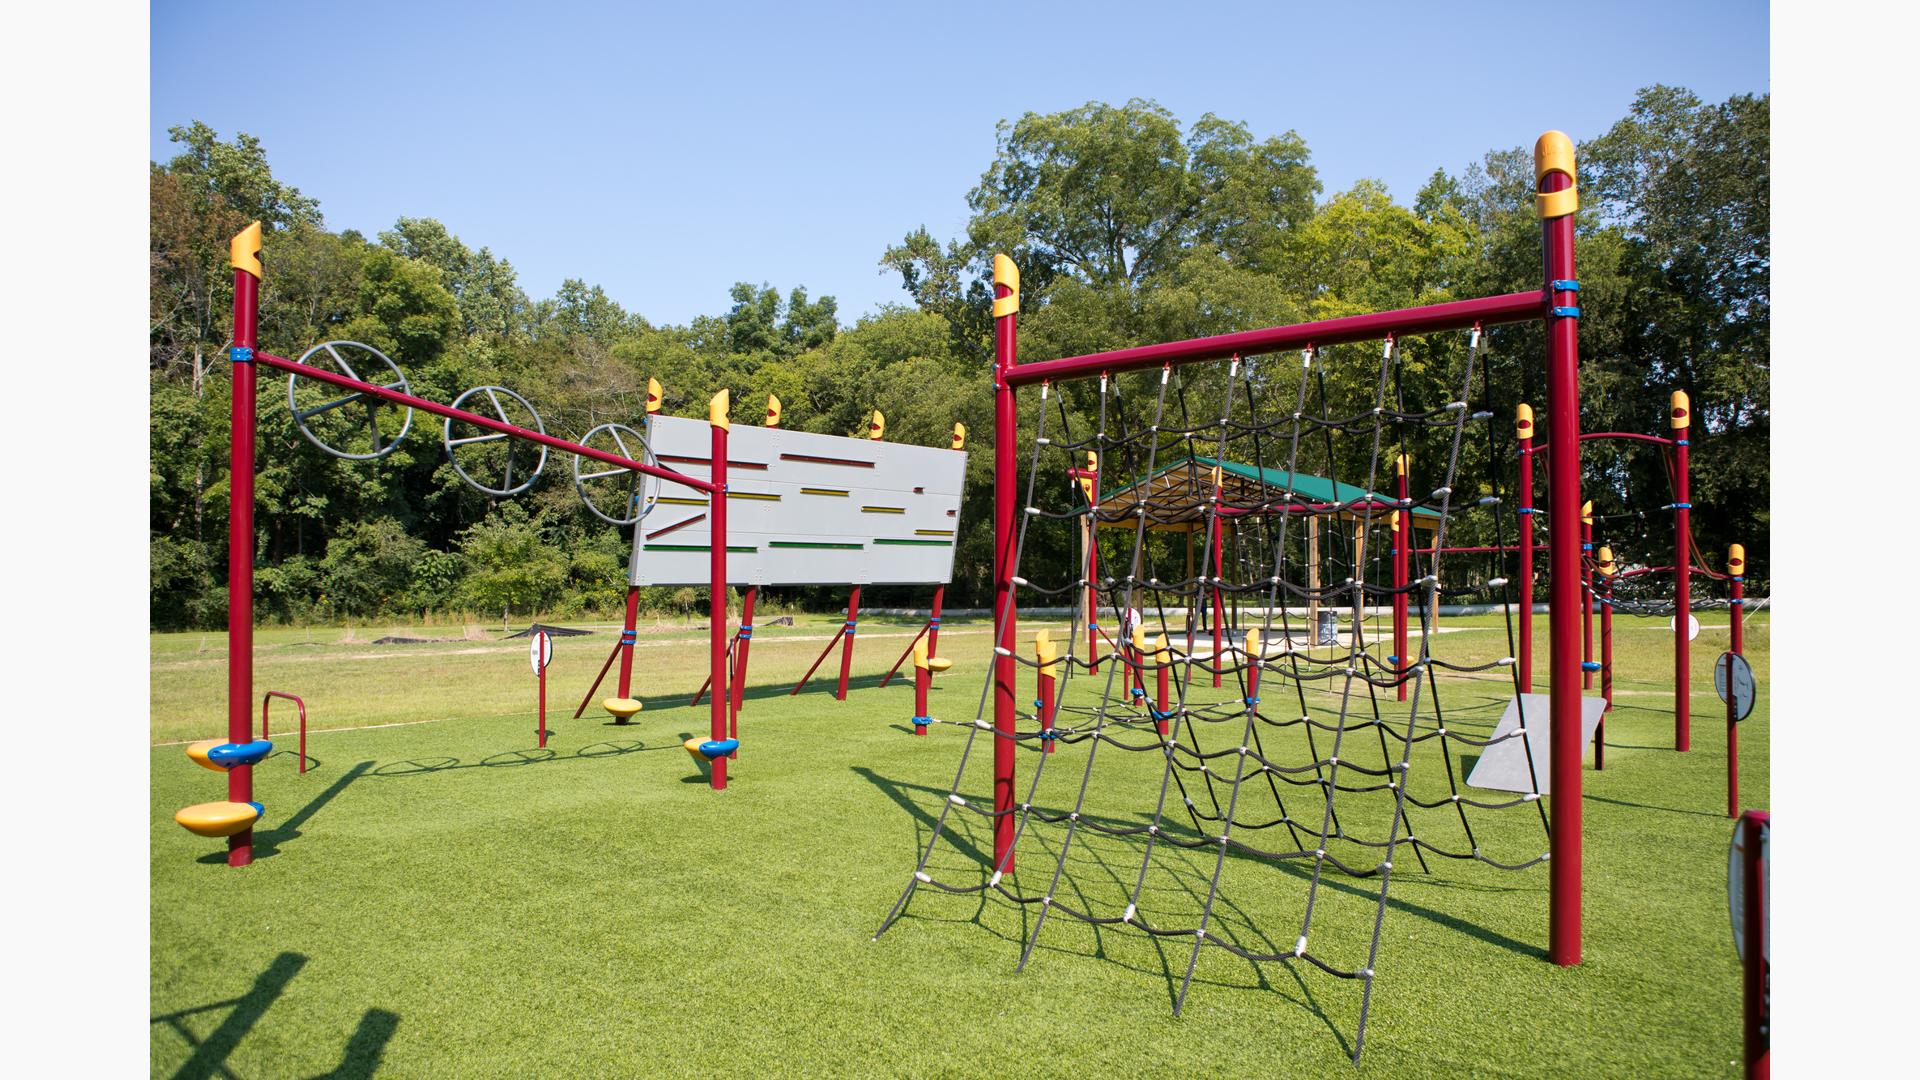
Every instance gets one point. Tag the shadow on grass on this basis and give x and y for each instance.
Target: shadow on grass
(266, 842)
(606, 748)
(899, 792)
(361, 1057)
(1650, 806)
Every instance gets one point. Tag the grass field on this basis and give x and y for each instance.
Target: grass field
(435, 897)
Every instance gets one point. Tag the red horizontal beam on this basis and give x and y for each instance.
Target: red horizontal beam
(1453, 315)
(488, 422)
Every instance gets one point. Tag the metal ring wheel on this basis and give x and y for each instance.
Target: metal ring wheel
(638, 492)
(343, 427)
(500, 460)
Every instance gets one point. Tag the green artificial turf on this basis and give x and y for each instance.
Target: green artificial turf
(437, 897)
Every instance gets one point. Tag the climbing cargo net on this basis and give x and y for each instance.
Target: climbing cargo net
(1303, 764)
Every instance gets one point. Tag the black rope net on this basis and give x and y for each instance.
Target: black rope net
(1303, 763)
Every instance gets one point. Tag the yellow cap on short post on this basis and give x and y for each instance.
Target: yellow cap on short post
(1047, 654)
(1005, 273)
(1553, 153)
(773, 411)
(1523, 420)
(654, 394)
(1586, 512)
(959, 436)
(244, 252)
(1254, 647)
(718, 408)
(1680, 417)
(877, 426)
(1604, 563)
(1736, 559)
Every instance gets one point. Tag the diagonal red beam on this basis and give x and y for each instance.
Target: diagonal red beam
(488, 422)
(1452, 315)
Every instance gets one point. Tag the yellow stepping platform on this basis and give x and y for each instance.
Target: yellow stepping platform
(938, 663)
(621, 707)
(218, 818)
(198, 752)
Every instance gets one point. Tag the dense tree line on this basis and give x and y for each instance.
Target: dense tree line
(1128, 229)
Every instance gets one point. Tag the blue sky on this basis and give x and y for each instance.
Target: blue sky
(667, 152)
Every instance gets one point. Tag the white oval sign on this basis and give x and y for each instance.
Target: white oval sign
(1743, 688)
(540, 651)
(1693, 626)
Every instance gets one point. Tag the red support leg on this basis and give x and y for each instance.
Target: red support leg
(1219, 606)
(612, 655)
(742, 643)
(628, 631)
(1161, 678)
(818, 660)
(1586, 595)
(846, 642)
(1755, 990)
(718, 707)
(1554, 172)
(1736, 612)
(922, 689)
(1523, 424)
(1606, 570)
(1402, 541)
(240, 463)
(1682, 567)
(1006, 307)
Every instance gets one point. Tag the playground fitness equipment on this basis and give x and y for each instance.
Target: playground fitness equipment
(235, 817)
(1555, 304)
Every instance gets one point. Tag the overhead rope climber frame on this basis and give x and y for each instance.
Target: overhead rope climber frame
(1556, 305)
(247, 358)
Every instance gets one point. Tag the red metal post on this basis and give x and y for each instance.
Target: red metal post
(1256, 659)
(1090, 484)
(1682, 564)
(742, 641)
(922, 688)
(1006, 317)
(1219, 606)
(245, 257)
(1523, 425)
(629, 630)
(1402, 540)
(846, 641)
(1046, 653)
(1606, 570)
(1586, 595)
(933, 620)
(543, 705)
(721, 698)
(1755, 987)
(1556, 202)
(1736, 607)
(1161, 678)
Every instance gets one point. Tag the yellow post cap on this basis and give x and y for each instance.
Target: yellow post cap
(1736, 558)
(653, 396)
(1605, 561)
(244, 252)
(1586, 512)
(773, 411)
(1680, 416)
(718, 408)
(877, 425)
(1005, 273)
(1160, 649)
(1047, 654)
(920, 653)
(959, 436)
(1553, 153)
(1523, 420)
(1140, 639)
(217, 818)
(1254, 645)
(1402, 464)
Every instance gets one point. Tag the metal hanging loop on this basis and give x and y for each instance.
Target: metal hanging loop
(637, 492)
(503, 461)
(346, 428)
